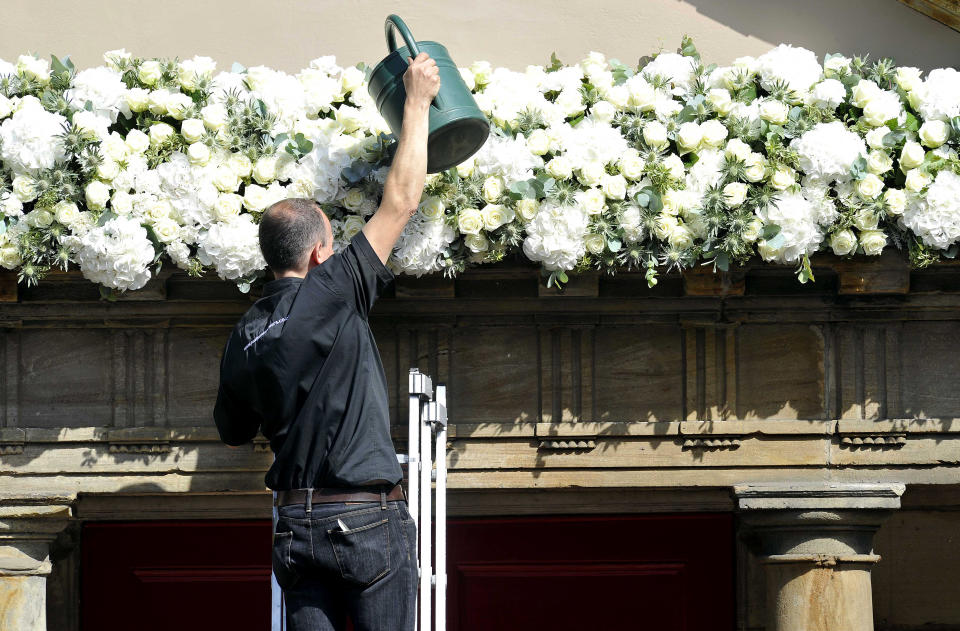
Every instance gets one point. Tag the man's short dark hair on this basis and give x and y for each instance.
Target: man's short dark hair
(288, 230)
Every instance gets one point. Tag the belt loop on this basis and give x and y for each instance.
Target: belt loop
(309, 500)
(383, 500)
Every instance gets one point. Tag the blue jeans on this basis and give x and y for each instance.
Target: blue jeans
(347, 559)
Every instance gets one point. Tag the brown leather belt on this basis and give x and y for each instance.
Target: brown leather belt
(331, 495)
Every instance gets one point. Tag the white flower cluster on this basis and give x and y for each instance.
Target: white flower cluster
(555, 237)
(117, 254)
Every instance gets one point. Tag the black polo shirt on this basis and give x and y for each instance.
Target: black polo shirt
(302, 367)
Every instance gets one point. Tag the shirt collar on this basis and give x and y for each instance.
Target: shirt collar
(279, 284)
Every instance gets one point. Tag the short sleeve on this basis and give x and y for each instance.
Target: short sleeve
(358, 273)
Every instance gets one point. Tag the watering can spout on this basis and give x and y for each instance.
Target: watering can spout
(458, 128)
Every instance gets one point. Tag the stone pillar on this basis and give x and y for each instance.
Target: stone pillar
(28, 525)
(816, 543)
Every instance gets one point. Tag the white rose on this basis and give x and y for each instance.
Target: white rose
(835, 64)
(265, 169)
(878, 162)
(560, 168)
(240, 164)
(908, 78)
(734, 194)
(642, 96)
(159, 132)
(720, 101)
(774, 111)
(755, 169)
(934, 133)
(492, 189)
(714, 132)
(738, 149)
(108, 169)
(680, 237)
(870, 186)
(24, 188)
(538, 142)
(689, 136)
(114, 147)
(39, 218)
(864, 92)
(469, 221)
(352, 225)
(595, 243)
(138, 99)
(496, 215)
(843, 242)
(158, 209)
(896, 201)
(66, 213)
(198, 153)
(675, 165)
(150, 72)
(192, 129)
(865, 219)
(351, 79)
(166, 229)
(655, 134)
(476, 243)
(256, 198)
(214, 116)
(6, 106)
(158, 102)
(875, 137)
(591, 173)
(613, 186)
(97, 195)
(632, 165)
(137, 141)
(34, 67)
(783, 178)
(178, 105)
(354, 199)
(872, 242)
(121, 203)
(481, 71)
(592, 200)
(10, 205)
(603, 111)
(465, 169)
(917, 180)
(225, 179)
(912, 155)
(752, 232)
(227, 205)
(527, 208)
(10, 256)
(432, 207)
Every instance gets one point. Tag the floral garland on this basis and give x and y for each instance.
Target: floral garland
(119, 168)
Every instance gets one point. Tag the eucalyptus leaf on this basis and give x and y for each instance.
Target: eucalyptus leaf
(237, 68)
(105, 216)
(894, 139)
(614, 245)
(722, 261)
(770, 231)
(911, 124)
(777, 241)
(555, 64)
(858, 170)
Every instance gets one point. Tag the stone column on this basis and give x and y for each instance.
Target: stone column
(28, 524)
(816, 543)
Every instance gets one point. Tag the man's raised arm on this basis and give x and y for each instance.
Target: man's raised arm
(404, 185)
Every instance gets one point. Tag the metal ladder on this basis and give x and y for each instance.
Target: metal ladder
(426, 463)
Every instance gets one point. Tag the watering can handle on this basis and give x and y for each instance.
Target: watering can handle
(394, 22)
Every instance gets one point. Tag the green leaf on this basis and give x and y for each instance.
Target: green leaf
(105, 216)
(523, 189)
(237, 68)
(59, 66)
(656, 202)
(108, 293)
(805, 274)
(858, 170)
(3, 225)
(687, 49)
(955, 126)
(303, 144)
(555, 64)
(911, 124)
(562, 276)
(894, 139)
(777, 241)
(614, 245)
(723, 261)
(642, 199)
(951, 252)
(261, 107)
(770, 231)
(280, 139)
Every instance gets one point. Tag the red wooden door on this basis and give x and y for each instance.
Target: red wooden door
(187, 576)
(662, 573)
(657, 573)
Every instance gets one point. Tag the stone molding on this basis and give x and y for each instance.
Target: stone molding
(29, 522)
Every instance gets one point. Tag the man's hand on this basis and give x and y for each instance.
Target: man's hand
(421, 80)
(404, 185)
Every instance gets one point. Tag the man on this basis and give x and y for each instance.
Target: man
(302, 366)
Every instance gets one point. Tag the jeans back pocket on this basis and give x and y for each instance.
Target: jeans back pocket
(282, 564)
(362, 552)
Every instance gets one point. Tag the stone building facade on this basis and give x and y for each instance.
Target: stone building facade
(823, 418)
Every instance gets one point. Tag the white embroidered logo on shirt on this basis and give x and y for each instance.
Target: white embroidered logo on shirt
(269, 326)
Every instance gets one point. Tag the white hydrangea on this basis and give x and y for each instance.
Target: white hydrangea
(938, 97)
(232, 247)
(555, 237)
(117, 254)
(828, 94)
(420, 245)
(678, 69)
(828, 151)
(507, 157)
(799, 228)
(30, 139)
(509, 93)
(797, 67)
(630, 222)
(592, 141)
(103, 88)
(706, 171)
(935, 215)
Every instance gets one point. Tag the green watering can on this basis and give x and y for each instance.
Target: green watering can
(458, 127)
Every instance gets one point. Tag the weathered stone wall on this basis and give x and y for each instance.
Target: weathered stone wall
(649, 400)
